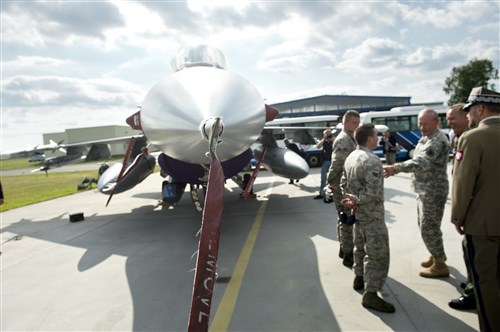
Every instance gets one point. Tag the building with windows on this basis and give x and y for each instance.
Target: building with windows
(338, 105)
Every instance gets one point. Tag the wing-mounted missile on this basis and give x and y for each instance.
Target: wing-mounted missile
(280, 161)
(121, 177)
(134, 174)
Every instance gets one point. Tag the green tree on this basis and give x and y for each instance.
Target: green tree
(463, 79)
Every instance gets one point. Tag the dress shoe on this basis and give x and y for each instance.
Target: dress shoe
(318, 197)
(463, 303)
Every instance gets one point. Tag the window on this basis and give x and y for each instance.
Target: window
(400, 123)
(414, 122)
(442, 121)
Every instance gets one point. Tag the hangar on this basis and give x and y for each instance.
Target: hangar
(338, 105)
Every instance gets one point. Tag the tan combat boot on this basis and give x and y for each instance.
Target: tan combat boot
(437, 270)
(427, 262)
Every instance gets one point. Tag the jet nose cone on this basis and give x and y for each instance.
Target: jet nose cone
(175, 109)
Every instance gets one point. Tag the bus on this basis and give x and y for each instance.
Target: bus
(306, 132)
(403, 124)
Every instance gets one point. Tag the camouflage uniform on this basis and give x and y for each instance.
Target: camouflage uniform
(430, 183)
(364, 178)
(343, 145)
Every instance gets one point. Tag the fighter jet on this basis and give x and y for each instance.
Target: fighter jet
(208, 123)
(31, 151)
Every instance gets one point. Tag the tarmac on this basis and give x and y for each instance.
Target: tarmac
(129, 267)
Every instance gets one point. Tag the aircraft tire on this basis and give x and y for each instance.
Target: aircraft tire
(314, 161)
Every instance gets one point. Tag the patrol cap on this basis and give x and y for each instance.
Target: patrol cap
(482, 95)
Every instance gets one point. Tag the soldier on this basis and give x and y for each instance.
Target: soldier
(430, 183)
(474, 202)
(343, 145)
(457, 121)
(363, 187)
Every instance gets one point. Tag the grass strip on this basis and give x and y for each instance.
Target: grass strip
(22, 190)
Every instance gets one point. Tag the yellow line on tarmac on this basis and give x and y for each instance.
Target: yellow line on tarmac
(226, 307)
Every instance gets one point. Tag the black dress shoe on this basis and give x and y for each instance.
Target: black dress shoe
(463, 303)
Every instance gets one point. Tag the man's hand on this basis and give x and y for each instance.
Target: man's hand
(460, 229)
(349, 202)
(389, 170)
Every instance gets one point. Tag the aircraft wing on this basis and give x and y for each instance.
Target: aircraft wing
(114, 140)
(29, 151)
(68, 148)
(292, 128)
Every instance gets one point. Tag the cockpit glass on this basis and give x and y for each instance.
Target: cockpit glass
(198, 55)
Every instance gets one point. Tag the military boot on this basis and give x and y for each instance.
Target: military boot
(437, 270)
(348, 259)
(427, 262)
(359, 283)
(373, 301)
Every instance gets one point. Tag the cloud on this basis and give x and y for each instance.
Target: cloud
(448, 15)
(63, 91)
(37, 23)
(23, 62)
(376, 54)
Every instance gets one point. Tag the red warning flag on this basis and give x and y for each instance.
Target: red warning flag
(208, 249)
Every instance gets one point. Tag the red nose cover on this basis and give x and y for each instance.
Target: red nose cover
(208, 249)
(134, 121)
(271, 113)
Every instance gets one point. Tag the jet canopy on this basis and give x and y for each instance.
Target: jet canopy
(198, 55)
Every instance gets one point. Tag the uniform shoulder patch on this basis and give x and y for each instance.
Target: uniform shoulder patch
(459, 155)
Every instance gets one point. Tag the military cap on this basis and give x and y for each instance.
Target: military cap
(482, 95)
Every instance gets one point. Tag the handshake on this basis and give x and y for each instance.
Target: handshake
(389, 171)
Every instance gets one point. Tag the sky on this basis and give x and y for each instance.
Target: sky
(72, 64)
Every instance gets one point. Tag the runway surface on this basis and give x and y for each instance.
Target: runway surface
(129, 267)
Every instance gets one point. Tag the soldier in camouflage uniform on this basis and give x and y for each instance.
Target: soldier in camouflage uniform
(343, 145)
(430, 183)
(363, 187)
